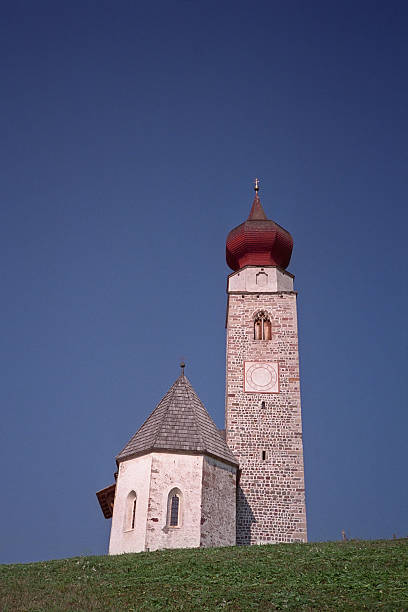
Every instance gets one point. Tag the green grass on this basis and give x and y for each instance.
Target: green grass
(356, 575)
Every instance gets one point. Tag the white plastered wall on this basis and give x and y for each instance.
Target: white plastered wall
(152, 477)
(169, 471)
(133, 475)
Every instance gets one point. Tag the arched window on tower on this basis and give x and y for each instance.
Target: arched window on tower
(130, 511)
(174, 508)
(262, 326)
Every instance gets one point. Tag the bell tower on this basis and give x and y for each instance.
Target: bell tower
(263, 413)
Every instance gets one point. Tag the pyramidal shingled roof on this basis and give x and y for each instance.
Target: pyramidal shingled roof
(179, 423)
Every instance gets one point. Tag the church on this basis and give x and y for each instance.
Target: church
(180, 481)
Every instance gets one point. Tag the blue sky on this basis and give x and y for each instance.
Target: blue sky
(131, 134)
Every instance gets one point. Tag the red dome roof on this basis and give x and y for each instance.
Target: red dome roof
(258, 241)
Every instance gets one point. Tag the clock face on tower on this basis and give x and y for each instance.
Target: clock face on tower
(261, 377)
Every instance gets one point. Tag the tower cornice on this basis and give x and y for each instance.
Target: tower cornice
(260, 280)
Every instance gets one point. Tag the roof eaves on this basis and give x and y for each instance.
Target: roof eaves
(180, 451)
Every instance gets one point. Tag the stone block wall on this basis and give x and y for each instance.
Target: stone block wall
(266, 438)
(218, 506)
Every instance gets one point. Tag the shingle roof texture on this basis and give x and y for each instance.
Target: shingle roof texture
(179, 422)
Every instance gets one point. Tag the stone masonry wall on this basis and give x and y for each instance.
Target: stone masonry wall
(271, 498)
(218, 506)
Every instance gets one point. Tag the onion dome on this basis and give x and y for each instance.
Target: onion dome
(258, 241)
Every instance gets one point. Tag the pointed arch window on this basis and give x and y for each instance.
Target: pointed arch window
(130, 511)
(174, 503)
(262, 326)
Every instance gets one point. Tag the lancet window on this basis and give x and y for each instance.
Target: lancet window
(130, 513)
(262, 326)
(174, 508)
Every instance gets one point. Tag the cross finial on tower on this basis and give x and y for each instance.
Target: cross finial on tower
(256, 186)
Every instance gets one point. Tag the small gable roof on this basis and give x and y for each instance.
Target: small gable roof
(180, 423)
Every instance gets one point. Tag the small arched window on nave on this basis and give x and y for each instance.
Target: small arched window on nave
(262, 326)
(130, 511)
(174, 508)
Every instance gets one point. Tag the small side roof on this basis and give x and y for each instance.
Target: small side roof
(180, 423)
(106, 498)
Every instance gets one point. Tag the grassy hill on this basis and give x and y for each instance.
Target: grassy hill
(356, 575)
